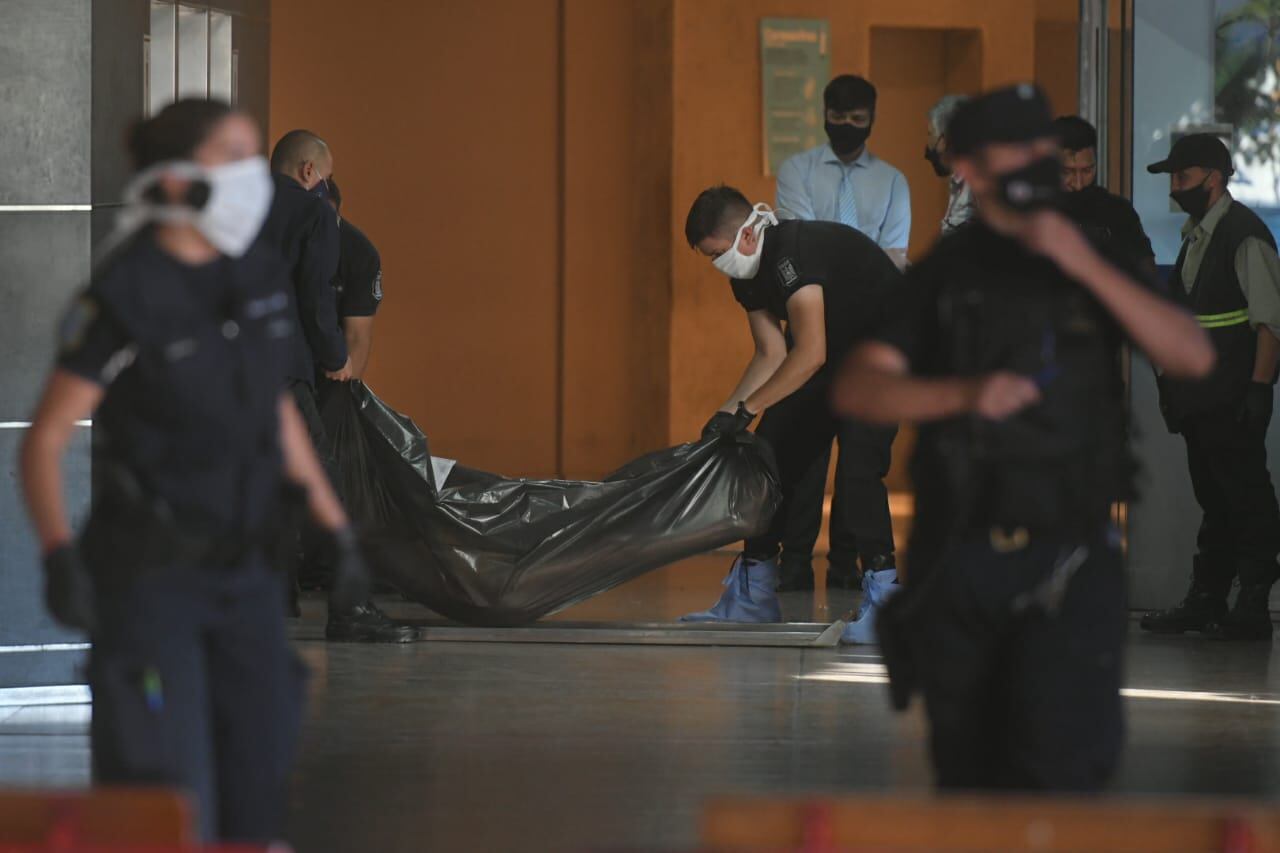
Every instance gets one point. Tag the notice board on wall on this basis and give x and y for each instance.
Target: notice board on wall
(795, 61)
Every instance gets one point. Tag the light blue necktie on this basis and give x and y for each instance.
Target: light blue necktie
(846, 208)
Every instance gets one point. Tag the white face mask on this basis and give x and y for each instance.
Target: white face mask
(239, 200)
(737, 265)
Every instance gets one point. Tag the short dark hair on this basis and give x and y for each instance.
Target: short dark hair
(175, 132)
(849, 92)
(714, 210)
(1074, 133)
(294, 148)
(335, 194)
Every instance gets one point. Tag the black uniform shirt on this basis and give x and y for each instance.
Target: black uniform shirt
(855, 275)
(979, 303)
(304, 229)
(1110, 220)
(193, 362)
(359, 273)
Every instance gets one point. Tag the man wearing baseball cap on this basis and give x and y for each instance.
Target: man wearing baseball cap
(1228, 275)
(1004, 347)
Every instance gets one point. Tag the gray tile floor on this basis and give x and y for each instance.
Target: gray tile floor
(457, 747)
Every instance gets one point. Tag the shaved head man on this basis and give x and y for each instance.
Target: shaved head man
(304, 228)
(303, 156)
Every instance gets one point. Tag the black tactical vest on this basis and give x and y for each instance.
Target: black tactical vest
(1055, 467)
(1218, 301)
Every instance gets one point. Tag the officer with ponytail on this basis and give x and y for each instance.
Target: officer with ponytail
(177, 350)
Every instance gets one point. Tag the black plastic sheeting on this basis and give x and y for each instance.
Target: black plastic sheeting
(487, 550)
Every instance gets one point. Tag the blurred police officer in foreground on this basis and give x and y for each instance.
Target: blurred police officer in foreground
(304, 229)
(177, 350)
(1005, 348)
(1228, 275)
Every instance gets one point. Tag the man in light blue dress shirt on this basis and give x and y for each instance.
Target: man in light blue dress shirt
(840, 182)
(843, 181)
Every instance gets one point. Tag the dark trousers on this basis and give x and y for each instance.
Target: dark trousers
(1021, 700)
(313, 565)
(804, 520)
(1240, 531)
(800, 430)
(195, 686)
(308, 401)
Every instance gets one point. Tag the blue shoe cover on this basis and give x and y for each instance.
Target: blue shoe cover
(878, 587)
(750, 595)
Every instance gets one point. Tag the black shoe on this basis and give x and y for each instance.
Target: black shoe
(1198, 611)
(795, 577)
(367, 624)
(1250, 618)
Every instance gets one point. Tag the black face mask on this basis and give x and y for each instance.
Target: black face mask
(847, 138)
(1194, 201)
(935, 160)
(1037, 184)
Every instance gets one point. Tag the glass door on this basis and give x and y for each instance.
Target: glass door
(1194, 66)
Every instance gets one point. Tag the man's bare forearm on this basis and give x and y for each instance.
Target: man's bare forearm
(758, 371)
(878, 396)
(358, 332)
(1267, 358)
(797, 368)
(360, 345)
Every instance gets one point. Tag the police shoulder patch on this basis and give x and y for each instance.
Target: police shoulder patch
(787, 272)
(76, 322)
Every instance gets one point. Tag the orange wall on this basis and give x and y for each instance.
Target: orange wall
(447, 159)
(617, 230)
(525, 167)
(513, 168)
(1058, 53)
(718, 138)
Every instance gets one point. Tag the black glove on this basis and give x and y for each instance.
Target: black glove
(1255, 410)
(350, 572)
(68, 589)
(729, 423)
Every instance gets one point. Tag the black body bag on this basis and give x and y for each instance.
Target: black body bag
(486, 550)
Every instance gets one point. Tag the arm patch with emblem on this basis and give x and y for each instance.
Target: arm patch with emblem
(92, 344)
(75, 324)
(788, 277)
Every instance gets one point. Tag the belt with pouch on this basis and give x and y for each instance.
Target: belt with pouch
(131, 528)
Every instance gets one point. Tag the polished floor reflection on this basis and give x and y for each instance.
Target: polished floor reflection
(501, 747)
